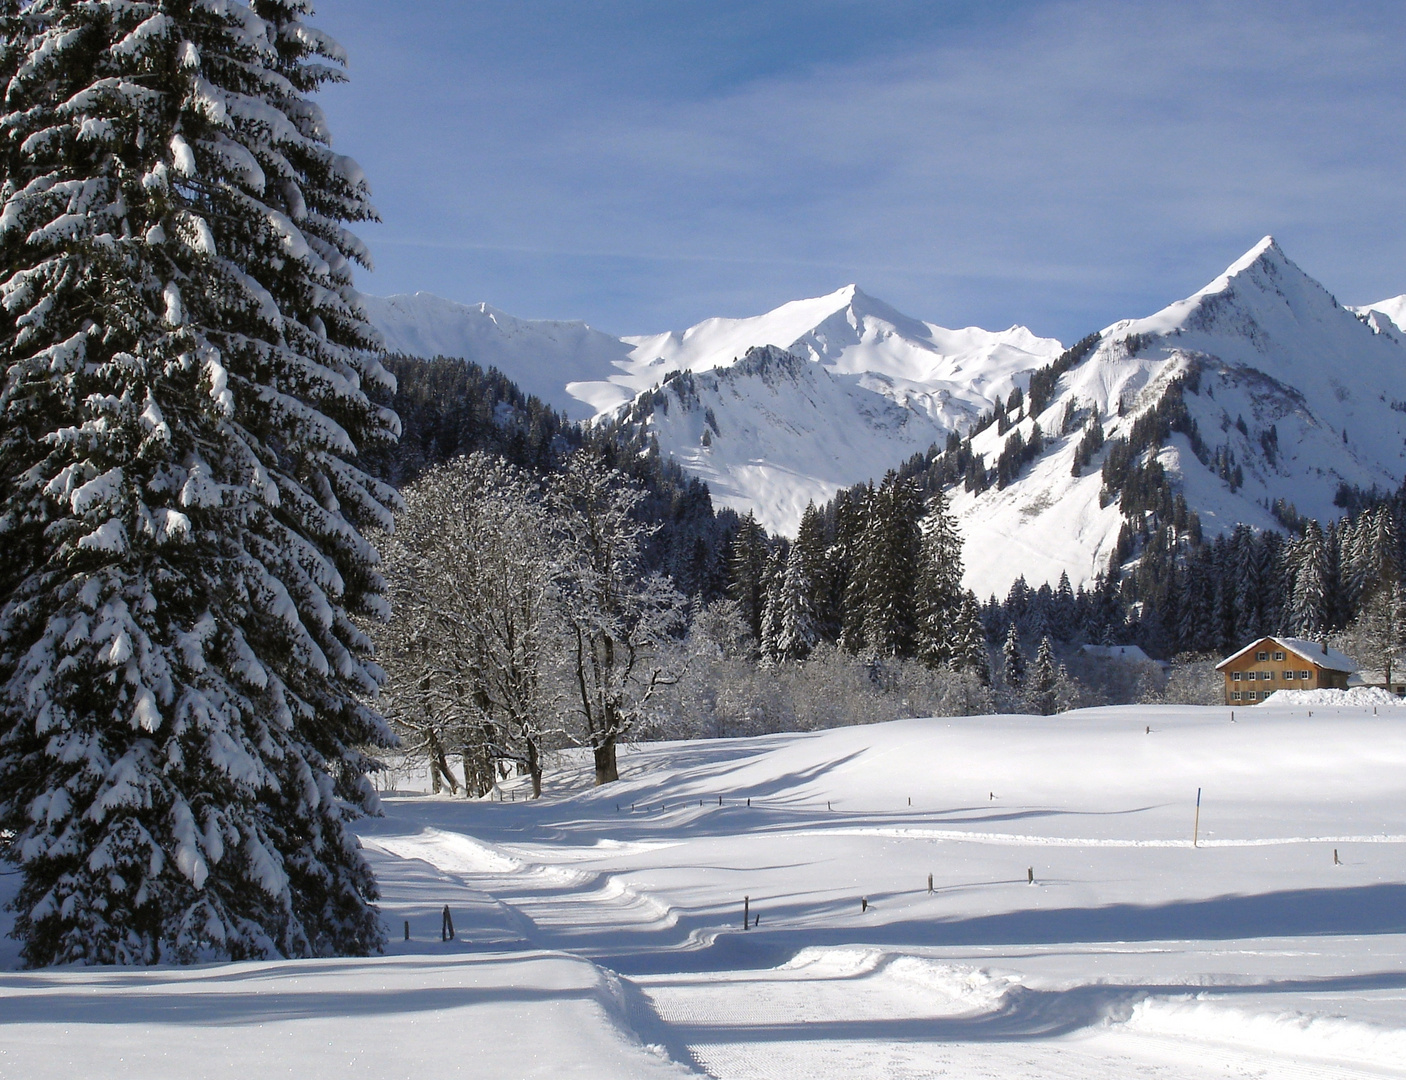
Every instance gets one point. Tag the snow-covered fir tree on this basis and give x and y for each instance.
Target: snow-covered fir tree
(1013, 658)
(800, 627)
(1045, 679)
(1310, 603)
(773, 613)
(970, 653)
(184, 384)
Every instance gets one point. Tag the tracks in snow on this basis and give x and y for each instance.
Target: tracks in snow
(865, 1013)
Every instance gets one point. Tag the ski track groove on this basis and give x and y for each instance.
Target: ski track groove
(768, 1012)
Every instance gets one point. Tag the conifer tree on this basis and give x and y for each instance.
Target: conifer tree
(1045, 679)
(887, 567)
(970, 654)
(800, 628)
(748, 573)
(773, 613)
(1310, 601)
(939, 585)
(1014, 659)
(855, 517)
(185, 374)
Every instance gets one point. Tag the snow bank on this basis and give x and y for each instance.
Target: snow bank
(1358, 697)
(1328, 1038)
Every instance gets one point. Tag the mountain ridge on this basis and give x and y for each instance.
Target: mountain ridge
(1289, 396)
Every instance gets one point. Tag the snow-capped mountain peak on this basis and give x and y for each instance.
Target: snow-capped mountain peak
(1288, 394)
(1385, 317)
(847, 331)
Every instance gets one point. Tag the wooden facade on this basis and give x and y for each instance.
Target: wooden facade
(1273, 663)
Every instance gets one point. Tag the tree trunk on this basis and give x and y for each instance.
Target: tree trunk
(534, 768)
(605, 762)
(439, 765)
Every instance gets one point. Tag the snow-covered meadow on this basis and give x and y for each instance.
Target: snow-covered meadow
(599, 931)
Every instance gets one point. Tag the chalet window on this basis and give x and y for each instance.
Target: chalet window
(1267, 675)
(1261, 656)
(1288, 674)
(1235, 676)
(1305, 674)
(1279, 656)
(1235, 695)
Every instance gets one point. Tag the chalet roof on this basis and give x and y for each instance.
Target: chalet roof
(1117, 652)
(1312, 651)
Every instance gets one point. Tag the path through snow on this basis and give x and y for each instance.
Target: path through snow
(599, 931)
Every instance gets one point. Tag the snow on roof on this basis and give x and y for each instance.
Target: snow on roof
(1117, 652)
(1313, 651)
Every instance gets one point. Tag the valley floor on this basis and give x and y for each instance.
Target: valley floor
(599, 932)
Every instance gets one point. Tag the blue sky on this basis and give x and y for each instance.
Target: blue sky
(644, 165)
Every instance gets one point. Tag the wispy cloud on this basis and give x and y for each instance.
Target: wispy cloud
(1061, 163)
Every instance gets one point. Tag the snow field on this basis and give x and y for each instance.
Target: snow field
(601, 942)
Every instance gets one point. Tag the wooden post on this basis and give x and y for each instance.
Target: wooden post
(746, 911)
(910, 800)
(929, 884)
(1196, 829)
(407, 929)
(1336, 862)
(749, 800)
(863, 904)
(446, 929)
(1030, 875)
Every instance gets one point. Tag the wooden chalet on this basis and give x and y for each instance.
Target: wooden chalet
(1282, 663)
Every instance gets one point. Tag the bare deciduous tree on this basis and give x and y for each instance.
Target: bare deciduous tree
(474, 569)
(619, 620)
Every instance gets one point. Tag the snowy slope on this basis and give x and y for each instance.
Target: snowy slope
(599, 929)
(869, 387)
(1386, 316)
(1270, 348)
(1267, 346)
(541, 356)
(775, 431)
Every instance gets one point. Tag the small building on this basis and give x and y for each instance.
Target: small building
(1396, 684)
(1282, 663)
(1128, 654)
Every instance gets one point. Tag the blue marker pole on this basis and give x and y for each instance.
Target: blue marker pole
(1196, 830)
